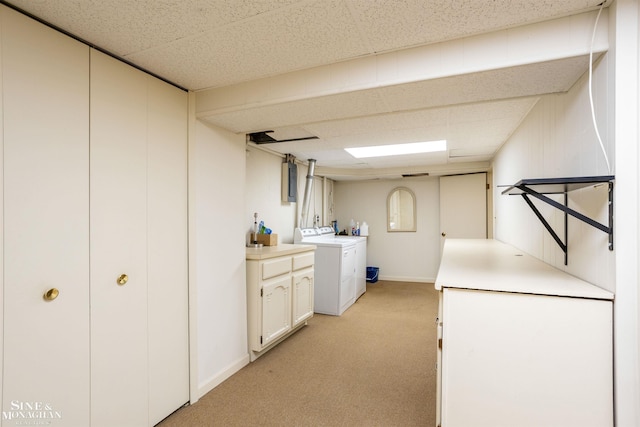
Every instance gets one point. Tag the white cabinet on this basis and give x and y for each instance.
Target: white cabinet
(94, 188)
(520, 342)
(279, 293)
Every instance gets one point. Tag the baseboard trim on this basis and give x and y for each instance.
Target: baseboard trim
(408, 279)
(217, 379)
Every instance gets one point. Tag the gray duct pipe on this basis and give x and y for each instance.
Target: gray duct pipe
(304, 214)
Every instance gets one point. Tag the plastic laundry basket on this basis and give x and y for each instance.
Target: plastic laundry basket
(372, 274)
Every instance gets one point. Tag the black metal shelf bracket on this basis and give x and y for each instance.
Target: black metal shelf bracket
(525, 189)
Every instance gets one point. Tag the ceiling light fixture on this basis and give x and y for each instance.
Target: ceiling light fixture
(398, 149)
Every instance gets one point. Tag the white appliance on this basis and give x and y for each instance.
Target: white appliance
(335, 269)
(361, 261)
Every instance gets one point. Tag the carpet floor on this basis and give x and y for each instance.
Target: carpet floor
(372, 366)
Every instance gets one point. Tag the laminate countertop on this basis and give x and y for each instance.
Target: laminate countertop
(282, 249)
(490, 265)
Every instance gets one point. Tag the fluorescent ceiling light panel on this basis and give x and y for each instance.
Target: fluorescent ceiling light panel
(398, 149)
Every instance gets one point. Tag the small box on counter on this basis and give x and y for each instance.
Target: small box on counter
(268, 239)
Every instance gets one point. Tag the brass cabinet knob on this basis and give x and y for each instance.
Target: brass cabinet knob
(444, 234)
(51, 294)
(122, 279)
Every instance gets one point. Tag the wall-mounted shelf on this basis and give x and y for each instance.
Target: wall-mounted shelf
(540, 187)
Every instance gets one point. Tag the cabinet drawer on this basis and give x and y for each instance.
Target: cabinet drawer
(303, 261)
(276, 267)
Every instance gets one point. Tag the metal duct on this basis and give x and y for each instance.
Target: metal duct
(304, 214)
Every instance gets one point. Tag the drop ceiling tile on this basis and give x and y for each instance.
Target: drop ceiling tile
(389, 25)
(148, 23)
(304, 35)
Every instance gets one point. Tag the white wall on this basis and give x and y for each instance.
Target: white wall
(557, 139)
(229, 179)
(625, 81)
(217, 253)
(264, 195)
(399, 255)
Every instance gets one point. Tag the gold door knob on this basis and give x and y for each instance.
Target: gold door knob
(444, 234)
(122, 279)
(51, 294)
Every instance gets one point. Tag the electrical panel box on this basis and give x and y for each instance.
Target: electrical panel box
(289, 182)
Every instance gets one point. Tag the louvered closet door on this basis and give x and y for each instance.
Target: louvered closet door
(46, 223)
(119, 345)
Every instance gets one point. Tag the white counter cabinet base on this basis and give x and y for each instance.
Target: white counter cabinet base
(513, 353)
(279, 294)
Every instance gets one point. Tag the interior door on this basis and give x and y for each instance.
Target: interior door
(119, 344)
(46, 223)
(463, 206)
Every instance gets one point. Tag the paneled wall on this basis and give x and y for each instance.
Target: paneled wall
(557, 139)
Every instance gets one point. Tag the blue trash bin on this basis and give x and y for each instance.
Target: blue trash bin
(372, 274)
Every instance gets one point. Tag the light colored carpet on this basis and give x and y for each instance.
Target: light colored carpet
(372, 366)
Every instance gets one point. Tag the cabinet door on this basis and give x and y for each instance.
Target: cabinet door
(119, 340)
(276, 309)
(46, 222)
(302, 298)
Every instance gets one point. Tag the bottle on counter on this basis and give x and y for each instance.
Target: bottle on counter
(364, 229)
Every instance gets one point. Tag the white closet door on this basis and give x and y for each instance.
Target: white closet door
(119, 347)
(46, 229)
(167, 250)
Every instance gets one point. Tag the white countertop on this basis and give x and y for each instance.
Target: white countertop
(491, 265)
(282, 249)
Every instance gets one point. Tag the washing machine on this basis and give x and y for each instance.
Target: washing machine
(334, 269)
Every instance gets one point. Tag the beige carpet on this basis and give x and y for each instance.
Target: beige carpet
(372, 366)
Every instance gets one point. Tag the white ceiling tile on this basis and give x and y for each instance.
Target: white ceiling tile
(389, 25)
(148, 23)
(305, 35)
